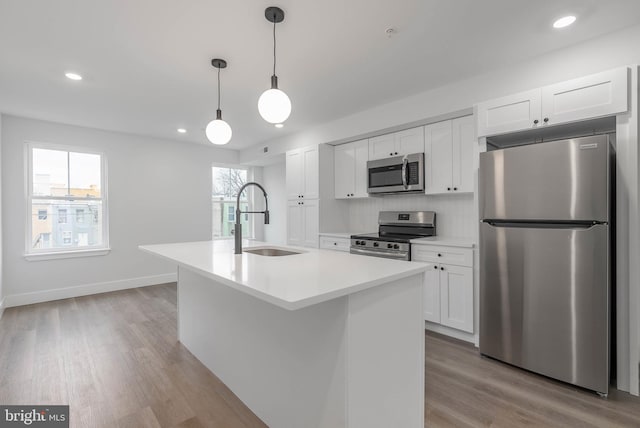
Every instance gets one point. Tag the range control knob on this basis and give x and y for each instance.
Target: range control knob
(375, 244)
(389, 245)
(396, 246)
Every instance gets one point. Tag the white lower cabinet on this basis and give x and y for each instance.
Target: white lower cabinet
(302, 223)
(456, 297)
(432, 293)
(335, 243)
(448, 288)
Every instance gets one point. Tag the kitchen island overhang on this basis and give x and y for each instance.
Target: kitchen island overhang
(318, 339)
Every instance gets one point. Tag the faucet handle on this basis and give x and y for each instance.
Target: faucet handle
(266, 217)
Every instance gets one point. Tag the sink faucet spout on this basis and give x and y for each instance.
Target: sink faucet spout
(238, 225)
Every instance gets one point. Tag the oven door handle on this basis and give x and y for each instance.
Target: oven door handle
(405, 161)
(395, 255)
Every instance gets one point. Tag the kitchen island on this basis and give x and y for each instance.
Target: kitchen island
(313, 339)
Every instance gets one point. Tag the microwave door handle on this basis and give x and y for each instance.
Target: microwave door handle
(404, 172)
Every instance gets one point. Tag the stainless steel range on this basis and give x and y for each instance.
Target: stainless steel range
(395, 230)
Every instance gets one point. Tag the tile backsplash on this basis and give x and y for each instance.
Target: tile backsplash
(455, 216)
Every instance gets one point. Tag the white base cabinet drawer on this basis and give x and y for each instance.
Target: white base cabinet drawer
(440, 254)
(338, 244)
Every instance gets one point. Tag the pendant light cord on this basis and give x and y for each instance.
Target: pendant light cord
(274, 46)
(218, 88)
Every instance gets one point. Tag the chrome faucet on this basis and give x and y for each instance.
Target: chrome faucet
(238, 227)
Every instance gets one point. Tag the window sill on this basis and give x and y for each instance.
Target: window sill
(34, 257)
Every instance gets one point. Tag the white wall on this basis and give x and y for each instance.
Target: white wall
(273, 177)
(159, 191)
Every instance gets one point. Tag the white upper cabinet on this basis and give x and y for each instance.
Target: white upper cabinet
(409, 141)
(351, 170)
(438, 157)
(510, 113)
(464, 144)
(596, 95)
(397, 144)
(302, 173)
(382, 146)
(449, 148)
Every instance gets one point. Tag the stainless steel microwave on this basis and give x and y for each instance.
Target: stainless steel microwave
(398, 174)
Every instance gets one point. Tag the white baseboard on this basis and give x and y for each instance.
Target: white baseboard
(87, 289)
(2, 302)
(451, 332)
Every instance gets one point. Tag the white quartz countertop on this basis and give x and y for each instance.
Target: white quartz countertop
(444, 241)
(291, 282)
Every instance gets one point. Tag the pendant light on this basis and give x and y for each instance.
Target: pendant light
(274, 105)
(218, 131)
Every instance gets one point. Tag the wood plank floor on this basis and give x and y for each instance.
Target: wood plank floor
(115, 360)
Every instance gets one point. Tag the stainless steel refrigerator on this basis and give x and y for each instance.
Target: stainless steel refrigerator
(545, 258)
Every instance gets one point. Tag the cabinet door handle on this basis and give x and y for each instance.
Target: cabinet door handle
(441, 268)
(395, 153)
(535, 122)
(435, 267)
(439, 255)
(335, 243)
(455, 188)
(546, 119)
(390, 154)
(449, 188)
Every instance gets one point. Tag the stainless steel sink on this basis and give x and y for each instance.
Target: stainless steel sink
(271, 252)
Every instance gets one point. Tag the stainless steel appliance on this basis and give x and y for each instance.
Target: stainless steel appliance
(545, 258)
(395, 230)
(398, 174)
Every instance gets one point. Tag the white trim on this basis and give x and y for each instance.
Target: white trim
(2, 302)
(51, 255)
(87, 289)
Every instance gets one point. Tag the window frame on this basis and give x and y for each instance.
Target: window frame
(33, 254)
(250, 197)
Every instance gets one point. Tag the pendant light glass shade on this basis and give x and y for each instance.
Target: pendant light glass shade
(274, 106)
(218, 132)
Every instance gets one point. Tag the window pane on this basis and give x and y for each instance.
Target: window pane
(50, 172)
(66, 224)
(84, 174)
(226, 184)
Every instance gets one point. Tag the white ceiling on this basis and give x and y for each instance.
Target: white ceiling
(146, 63)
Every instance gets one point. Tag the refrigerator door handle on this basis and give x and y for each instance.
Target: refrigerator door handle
(546, 224)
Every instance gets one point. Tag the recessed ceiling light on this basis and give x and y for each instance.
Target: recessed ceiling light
(182, 130)
(73, 76)
(565, 21)
(279, 125)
